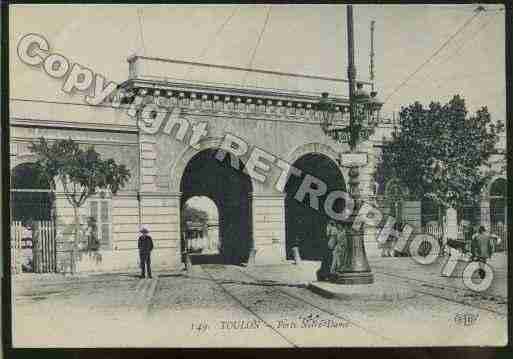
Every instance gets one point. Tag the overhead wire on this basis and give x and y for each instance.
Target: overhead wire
(232, 14)
(465, 7)
(452, 55)
(260, 36)
(428, 60)
(472, 37)
(212, 40)
(464, 39)
(457, 51)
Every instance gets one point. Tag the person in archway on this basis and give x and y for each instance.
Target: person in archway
(340, 247)
(328, 242)
(295, 249)
(145, 245)
(468, 233)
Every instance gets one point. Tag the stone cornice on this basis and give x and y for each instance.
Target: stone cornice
(16, 139)
(150, 83)
(70, 125)
(194, 99)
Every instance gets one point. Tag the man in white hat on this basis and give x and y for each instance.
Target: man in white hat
(145, 245)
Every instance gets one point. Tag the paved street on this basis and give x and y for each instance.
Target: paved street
(219, 305)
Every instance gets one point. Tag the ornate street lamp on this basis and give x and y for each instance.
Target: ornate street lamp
(360, 127)
(363, 118)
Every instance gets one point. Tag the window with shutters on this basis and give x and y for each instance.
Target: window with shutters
(100, 210)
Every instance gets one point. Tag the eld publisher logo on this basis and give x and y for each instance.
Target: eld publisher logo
(466, 319)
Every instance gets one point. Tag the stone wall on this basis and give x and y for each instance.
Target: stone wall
(161, 213)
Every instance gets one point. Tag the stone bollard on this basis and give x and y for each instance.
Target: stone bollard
(252, 256)
(297, 256)
(188, 263)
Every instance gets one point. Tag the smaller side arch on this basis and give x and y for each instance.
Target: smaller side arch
(23, 158)
(30, 193)
(29, 175)
(486, 190)
(393, 182)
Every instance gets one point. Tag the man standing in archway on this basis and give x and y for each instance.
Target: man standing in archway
(328, 243)
(340, 247)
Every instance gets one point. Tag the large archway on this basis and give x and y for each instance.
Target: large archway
(230, 189)
(200, 230)
(306, 226)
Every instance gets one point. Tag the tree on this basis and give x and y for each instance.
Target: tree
(81, 172)
(192, 214)
(441, 153)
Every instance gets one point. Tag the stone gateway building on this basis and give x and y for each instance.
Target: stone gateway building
(171, 148)
(167, 168)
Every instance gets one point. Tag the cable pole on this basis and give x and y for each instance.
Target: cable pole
(372, 54)
(139, 17)
(212, 40)
(258, 43)
(351, 70)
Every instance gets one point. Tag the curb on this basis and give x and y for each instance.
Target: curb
(362, 292)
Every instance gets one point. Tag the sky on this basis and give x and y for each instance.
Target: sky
(308, 39)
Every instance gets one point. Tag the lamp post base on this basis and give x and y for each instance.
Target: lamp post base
(352, 264)
(355, 268)
(380, 291)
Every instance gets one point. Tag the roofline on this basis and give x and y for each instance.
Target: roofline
(221, 90)
(246, 69)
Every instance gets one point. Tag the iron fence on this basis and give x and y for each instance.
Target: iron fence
(33, 247)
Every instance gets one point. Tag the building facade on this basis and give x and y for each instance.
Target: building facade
(168, 133)
(169, 164)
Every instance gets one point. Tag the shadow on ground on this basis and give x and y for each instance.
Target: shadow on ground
(260, 283)
(206, 259)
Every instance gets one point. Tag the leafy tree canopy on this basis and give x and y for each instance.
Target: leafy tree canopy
(192, 214)
(441, 152)
(82, 172)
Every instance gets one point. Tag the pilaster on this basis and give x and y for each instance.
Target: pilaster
(269, 228)
(148, 160)
(160, 213)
